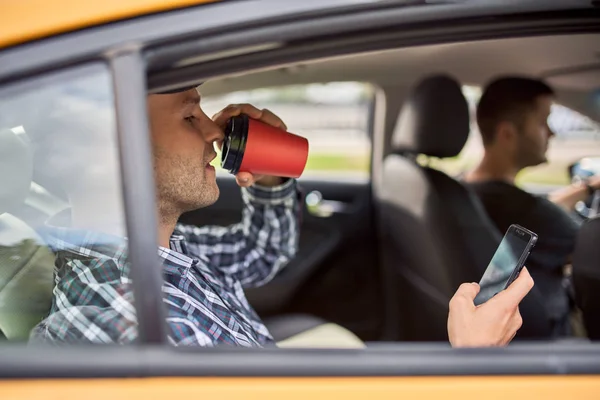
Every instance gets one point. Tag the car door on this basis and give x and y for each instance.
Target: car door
(150, 367)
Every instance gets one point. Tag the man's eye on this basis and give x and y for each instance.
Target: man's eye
(190, 119)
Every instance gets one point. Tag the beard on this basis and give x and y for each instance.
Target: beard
(531, 153)
(182, 185)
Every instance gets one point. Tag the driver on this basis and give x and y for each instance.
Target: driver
(206, 269)
(512, 115)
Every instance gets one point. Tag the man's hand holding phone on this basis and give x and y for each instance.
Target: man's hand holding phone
(494, 323)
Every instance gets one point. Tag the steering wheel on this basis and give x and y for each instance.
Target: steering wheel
(591, 206)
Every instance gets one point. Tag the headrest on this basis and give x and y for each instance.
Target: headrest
(16, 169)
(434, 119)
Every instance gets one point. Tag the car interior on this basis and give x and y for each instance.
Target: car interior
(385, 258)
(402, 244)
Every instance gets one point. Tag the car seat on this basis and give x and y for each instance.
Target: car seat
(435, 233)
(26, 265)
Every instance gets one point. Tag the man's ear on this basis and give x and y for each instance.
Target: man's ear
(506, 132)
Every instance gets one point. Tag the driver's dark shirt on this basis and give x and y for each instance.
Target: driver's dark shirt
(506, 204)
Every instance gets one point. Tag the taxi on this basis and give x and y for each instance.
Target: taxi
(74, 77)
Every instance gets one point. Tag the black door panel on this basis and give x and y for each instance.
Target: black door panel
(335, 274)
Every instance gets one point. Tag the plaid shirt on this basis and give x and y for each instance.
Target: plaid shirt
(205, 271)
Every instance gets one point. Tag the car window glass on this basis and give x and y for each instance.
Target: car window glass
(577, 136)
(61, 213)
(334, 117)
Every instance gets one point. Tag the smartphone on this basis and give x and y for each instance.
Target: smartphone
(507, 262)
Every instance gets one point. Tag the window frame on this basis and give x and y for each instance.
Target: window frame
(137, 179)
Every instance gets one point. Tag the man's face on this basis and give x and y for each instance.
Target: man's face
(534, 135)
(182, 141)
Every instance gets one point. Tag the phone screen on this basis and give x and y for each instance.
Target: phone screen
(504, 262)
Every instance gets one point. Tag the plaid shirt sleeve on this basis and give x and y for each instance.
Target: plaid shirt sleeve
(256, 249)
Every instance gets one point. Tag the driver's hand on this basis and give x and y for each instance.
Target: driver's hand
(494, 323)
(246, 179)
(594, 182)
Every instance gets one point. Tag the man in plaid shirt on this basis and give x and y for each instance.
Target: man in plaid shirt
(206, 269)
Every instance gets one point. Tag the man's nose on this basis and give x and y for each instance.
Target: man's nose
(213, 133)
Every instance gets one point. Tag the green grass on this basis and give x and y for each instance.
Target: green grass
(549, 174)
(338, 162)
(554, 173)
(329, 162)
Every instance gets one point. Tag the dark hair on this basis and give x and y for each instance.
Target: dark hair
(507, 99)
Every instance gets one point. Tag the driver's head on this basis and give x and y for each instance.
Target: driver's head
(512, 115)
(182, 141)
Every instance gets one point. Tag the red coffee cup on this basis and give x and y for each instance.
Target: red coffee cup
(255, 147)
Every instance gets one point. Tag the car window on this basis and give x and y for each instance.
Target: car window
(577, 136)
(61, 210)
(334, 117)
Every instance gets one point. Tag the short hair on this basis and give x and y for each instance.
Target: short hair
(508, 99)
